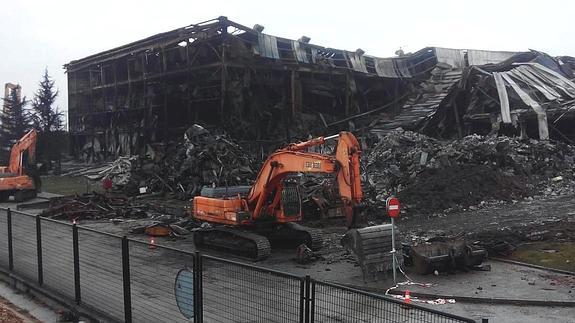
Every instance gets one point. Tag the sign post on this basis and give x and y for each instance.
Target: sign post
(392, 206)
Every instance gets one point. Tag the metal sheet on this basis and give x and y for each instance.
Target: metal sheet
(482, 57)
(268, 46)
(357, 62)
(541, 115)
(568, 85)
(524, 72)
(402, 66)
(385, 67)
(503, 98)
(314, 55)
(552, 78)
(453, 57)
(300, 52)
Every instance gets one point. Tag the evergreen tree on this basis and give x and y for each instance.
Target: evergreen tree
(45, 117)
(15, 120)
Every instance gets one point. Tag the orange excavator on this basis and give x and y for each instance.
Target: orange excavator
(247, 218)
(18, 178)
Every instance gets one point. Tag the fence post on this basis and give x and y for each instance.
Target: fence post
(76, 264)
(196, 293)
(307, 303)
(301, 300)
(10, 247)
(39, 249)
(198, 290)
(126, 280)
(312, 301)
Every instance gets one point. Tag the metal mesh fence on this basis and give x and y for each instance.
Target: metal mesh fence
(234, 292)
(228, 291)
(58, 257)
(3, 239)
(25, 245)
(333, 303)
(101, 272)
(153, 273)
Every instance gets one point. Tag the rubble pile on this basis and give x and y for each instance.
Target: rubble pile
(432, 176)
(503, 241)
(93, 206)
(201, 159)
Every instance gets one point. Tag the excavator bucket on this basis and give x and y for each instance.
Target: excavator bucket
(371, 247)
(445, 256)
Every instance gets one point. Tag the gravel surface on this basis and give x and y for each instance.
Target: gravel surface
(9, 314)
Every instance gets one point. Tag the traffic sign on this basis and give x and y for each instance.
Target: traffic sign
(392, 206)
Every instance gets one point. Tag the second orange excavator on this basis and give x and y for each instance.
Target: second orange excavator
(247, 218)
(19, 178)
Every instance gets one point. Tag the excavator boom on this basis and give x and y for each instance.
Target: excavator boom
(26, 144)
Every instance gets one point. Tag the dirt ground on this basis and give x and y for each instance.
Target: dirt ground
(9, 313)
(68, 185)
(541, 228)
(533, 224)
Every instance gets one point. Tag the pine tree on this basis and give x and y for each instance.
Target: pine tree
(45, 117)
(15, 120)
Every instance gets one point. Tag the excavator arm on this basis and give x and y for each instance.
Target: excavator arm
(26, 144)
(293, 159)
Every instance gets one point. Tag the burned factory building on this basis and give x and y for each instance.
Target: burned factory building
(266, 91)
(256, 86)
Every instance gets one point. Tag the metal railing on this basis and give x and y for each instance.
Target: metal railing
(126, 280)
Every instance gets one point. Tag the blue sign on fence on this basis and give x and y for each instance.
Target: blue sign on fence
(184, 291)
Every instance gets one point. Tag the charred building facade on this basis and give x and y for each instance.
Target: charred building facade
(257, 87)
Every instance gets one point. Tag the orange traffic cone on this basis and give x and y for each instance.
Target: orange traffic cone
(407, 299)
(152, 244)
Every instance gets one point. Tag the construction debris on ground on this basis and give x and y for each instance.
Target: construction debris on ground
(201, 159)
(430, 175)
(442, 129)
(182, 168)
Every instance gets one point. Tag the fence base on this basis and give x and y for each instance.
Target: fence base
(51, 299)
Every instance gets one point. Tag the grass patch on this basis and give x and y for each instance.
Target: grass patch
(68, 185)
(558, 255)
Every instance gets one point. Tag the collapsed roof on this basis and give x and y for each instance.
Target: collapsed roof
(472, 91)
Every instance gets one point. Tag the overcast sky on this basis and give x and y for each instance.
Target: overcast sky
(36, 34)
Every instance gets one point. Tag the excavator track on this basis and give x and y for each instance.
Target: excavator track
(293, 235)
(234, 241)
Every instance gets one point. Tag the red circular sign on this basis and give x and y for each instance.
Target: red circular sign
(392, 206)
